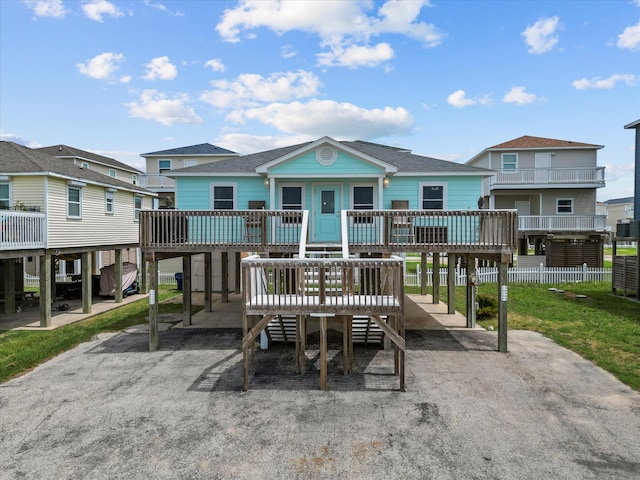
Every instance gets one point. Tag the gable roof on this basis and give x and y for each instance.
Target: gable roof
(635, 124)
(205, 149)
(20, 160)
(618, 201)
(526, 141)
(65, 151)
(399, 160)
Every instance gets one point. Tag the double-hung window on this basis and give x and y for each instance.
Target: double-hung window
(137, 206)
(291, 196)
(108, 203)
(509, 161)
(134, 178)
(74, 202)
(164, 165)
(113, 173)
(363, 200)
(5, 196)
(223, 197)
(564, 205)
(432, 196)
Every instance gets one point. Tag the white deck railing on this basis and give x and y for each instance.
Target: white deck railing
(548, 176)
(156, 180)
(22, 230)
(551, 223)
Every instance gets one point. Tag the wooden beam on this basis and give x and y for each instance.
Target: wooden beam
(436, 278)
(423, 273)
(208, 281)
(45, 290)
(451, 283)
(186, 290)
(503, 297)
(10, 286)
(144, 273)
(85, 268)
(224, 265)
(237, 271)
(472, 282)
(154, 339)
(118, 269)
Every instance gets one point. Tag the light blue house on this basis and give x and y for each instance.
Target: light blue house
(326, 177)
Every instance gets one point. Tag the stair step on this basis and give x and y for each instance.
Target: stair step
(363, 330)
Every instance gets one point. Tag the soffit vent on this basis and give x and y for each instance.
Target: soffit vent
(326, 155)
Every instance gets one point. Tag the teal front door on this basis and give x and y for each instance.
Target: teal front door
(326, 214)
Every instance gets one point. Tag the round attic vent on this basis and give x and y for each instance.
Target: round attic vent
(326, 155)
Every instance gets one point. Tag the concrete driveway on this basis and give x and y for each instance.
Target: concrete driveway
(109, 409)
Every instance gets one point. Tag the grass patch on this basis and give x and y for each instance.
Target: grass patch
(602, 327)
(21, 350)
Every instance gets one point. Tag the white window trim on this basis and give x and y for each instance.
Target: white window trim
(558, 212)
(69, 187)
(502, 162)
(212, 186)
(134, 178)
(136, 211)
(9, 198)
(114, 172)
(445, 195)
(108, 195)
(303, 198)
(165, 160)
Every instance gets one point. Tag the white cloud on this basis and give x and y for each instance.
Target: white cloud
(288, 51)
(459, 99)
(12, 137)
(356, 56)
(47, 8)
(541, 36)
(156, 106)
(326, 117)
(249, 89)
(518, 96)
(630, 37)
(96, 9)
(101, 66)
(160, 68)
(606, 83)
(215, 64)
(343, 26)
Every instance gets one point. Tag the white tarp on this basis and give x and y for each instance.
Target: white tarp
(108, 278)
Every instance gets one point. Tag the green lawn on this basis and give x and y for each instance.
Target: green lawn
(602, 328)
(22, 350)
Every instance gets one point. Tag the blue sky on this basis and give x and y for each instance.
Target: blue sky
(442, 78)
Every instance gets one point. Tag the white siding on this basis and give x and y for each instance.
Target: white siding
(29, 190)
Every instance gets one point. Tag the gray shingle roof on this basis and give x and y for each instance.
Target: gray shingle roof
(618, 201)
(17, 159)
(63, 151)
(200, 149)
(402, 159)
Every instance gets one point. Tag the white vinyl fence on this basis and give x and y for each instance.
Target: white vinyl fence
(543, 275)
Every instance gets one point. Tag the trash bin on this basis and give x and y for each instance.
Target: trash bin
(179, 280)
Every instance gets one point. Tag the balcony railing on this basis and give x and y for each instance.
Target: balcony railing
(156, 181)
(240, 230)
(22, 230)
(488, 231)
(387, 231)
(549, 176)
(566, 223)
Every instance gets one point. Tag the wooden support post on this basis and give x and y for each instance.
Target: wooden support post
(186, 290)
(323, 352)
(345, 344)
(118, 269)
(86, 282)
(10, 286)
(436, 278)
(224, 265)
(45, 290)
(451, 284)
(503, 297)
(154, 339)
(423, 273)
(144, 272)
(208, 281)
(472, 281)
(237, 271)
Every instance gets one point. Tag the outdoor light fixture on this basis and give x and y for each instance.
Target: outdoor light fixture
(385, 182)
(266, 182)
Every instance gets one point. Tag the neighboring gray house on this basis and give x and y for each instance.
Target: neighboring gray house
(93, 161)
(552, 184)
(618, 209)
(163, 161)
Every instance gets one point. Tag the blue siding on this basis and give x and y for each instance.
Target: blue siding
(462, 192)
(194, 193)
(308, 165)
